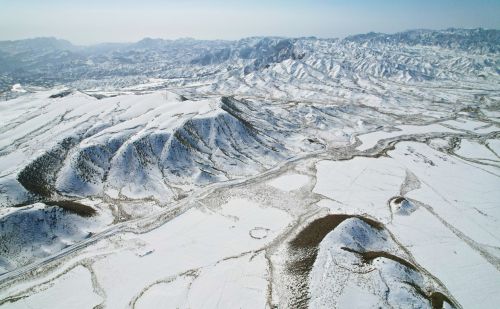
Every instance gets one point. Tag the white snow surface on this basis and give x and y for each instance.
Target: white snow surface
(72, 290)
(289, 182)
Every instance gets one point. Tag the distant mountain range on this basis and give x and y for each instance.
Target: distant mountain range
(50, 61)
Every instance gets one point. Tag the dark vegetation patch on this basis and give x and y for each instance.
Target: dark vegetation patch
(438, 299)
(399, 200)
(229, 105)
(38, 177)
(61, 94)
(69, 205)
(74, 207)
(369, 256)
(98, 96)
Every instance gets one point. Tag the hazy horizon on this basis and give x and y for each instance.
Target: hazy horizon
(218, 39)
(127, 21)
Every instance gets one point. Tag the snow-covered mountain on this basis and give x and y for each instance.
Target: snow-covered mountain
(409, 55)
(474, 40)
(309, 172)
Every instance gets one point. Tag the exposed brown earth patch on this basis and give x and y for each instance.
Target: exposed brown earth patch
(74, 207)
(304, 250)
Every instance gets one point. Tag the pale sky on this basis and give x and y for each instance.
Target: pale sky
(95, 21)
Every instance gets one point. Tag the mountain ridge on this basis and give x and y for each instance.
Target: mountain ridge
(185, 61)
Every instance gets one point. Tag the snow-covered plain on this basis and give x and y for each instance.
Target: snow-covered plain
(263, 173)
